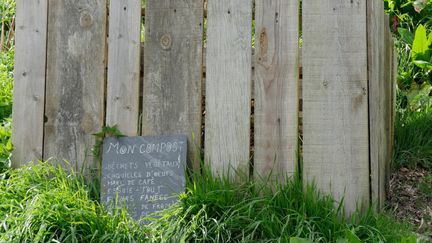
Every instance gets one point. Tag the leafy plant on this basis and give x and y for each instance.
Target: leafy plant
(6, 83)
(422, 49)
(5, 144)
(7, 22)
(409, 13)
(107, 131)
(410, 22)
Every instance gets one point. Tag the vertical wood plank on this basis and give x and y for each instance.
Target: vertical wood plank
(335, 99)
(29, 84)
(388, 112)
(123, 65)
(376, 76)
(173, 71)
(276, 87)
(228, 85)
(394, 72)
(75, 79)
(385, 114)
(394, 90)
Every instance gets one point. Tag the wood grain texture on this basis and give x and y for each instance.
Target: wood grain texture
(394, 100)
(388, 111)
(335, 99)
(173, 71)
(124, 65)
(29, 83)
(377, 79)
(228, 86)
(276, 87)
(75, 79)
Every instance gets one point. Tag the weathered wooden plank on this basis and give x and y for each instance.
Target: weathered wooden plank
(376, 76)
(173, 71)
(276, 87)
(123, 65)
(394, 72)
(29, 84)
(75, 79)
(394, 98)
(385, 99)
(228, 85)
(387, 95)
(335, 99)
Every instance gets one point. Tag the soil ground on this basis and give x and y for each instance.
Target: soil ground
(410, 198)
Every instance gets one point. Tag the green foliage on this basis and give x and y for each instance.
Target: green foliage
(411, 21)
(220, 210)
(6, 83)
(413, 145)
(7, 13)
(49, 204)
(422, 49)
(409, 13)
(5, 144)
(107, 131)
(43, 203)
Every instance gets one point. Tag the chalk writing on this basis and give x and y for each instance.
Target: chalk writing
(143, 173)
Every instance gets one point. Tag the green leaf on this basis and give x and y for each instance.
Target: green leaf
(420, 43)
(299, 240)
(352, 237)
(406, 35)
(423, 64)
(410, 239)
(429, 42)
(340, 240)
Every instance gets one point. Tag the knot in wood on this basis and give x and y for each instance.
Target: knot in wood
(166, 41)
(325, 83)
(86, 20)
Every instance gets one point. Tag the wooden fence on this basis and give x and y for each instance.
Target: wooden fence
(225, 72)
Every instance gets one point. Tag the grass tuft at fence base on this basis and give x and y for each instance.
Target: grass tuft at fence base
(42, 202)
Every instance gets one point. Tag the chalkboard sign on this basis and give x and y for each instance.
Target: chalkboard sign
(145, 174)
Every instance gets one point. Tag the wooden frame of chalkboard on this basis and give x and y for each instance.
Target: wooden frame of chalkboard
(144, 174)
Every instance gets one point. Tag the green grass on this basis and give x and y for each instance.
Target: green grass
(45, 203)
(219, 210)
(413, 145)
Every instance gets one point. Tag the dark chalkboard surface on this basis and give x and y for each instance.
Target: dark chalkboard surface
(145, 174)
